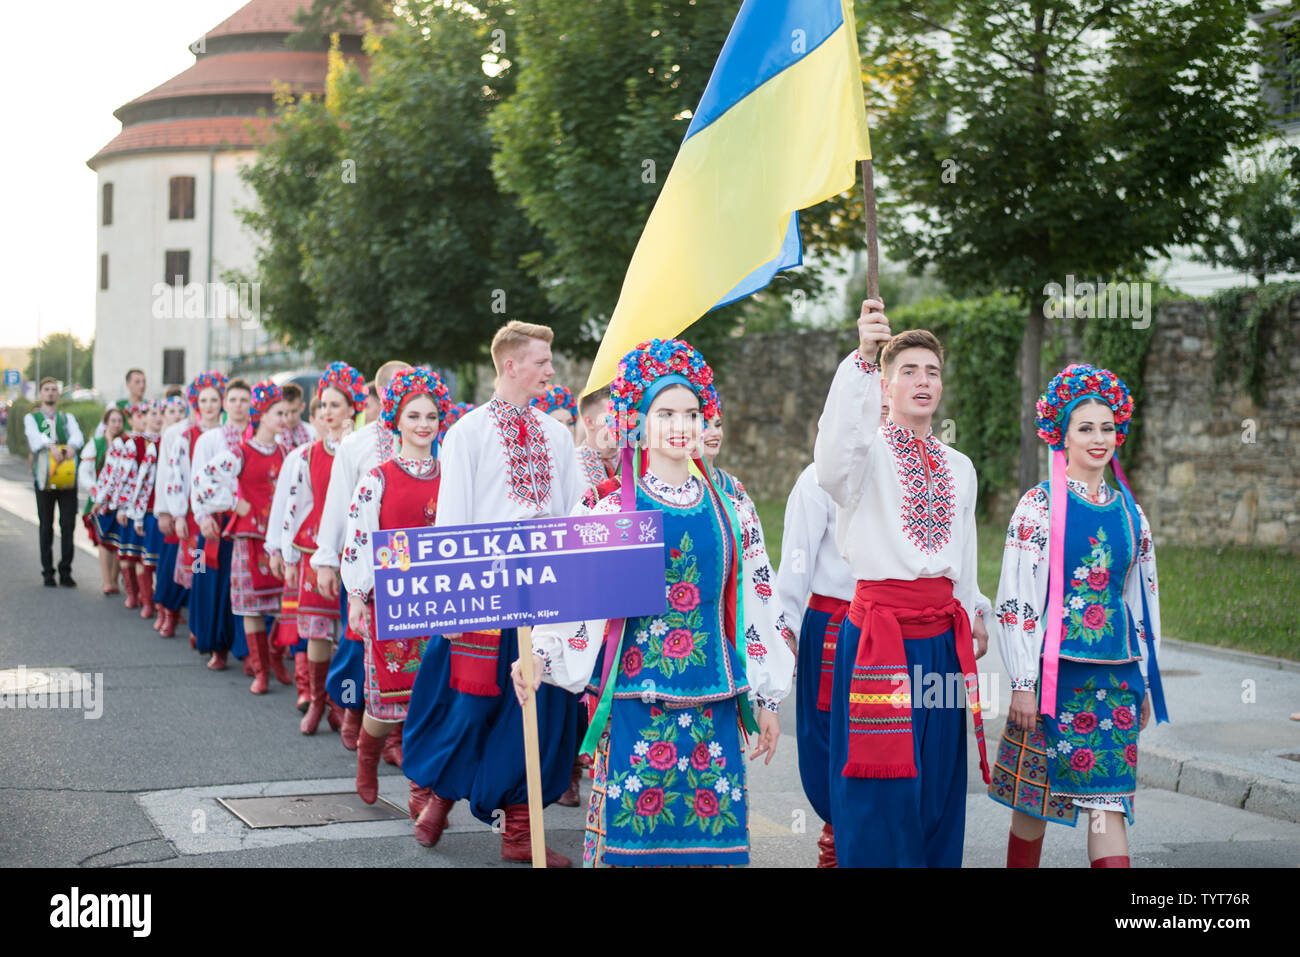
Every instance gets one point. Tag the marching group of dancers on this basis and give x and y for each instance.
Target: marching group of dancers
(221, 508)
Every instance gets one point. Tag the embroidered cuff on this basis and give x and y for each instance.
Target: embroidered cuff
(358, 594)
(546, 660)
(863, 364)
(766, 704)
(1024, 684)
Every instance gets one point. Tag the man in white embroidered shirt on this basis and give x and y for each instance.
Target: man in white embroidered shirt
(54, 438)
(905, 660)
(504, 461)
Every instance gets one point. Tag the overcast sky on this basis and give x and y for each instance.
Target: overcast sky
(66, 68)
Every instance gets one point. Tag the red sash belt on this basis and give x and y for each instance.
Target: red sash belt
(212, 546)
(880, 692)
(474, 657)
(837, 608)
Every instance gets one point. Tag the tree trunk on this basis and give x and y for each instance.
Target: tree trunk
(1031, 353)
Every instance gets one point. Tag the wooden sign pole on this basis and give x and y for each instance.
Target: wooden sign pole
(873, 253)
(532, 751)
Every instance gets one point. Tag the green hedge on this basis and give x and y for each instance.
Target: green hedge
(87, 413)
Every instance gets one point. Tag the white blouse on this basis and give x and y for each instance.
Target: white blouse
(906, 503)
(285, 494)
(216, 485)
(137, 500)
(357, 567)
(367, 447)
(171, 437)
(1022, 587)
(214, 492)
(810, 560)
(570, 658)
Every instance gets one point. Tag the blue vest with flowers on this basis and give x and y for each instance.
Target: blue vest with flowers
(682, 656)
(1100, 549)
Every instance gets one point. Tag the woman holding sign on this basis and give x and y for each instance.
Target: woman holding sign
(679, 687)
(400, 493)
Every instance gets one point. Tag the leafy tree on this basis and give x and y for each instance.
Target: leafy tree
(324, 17)
(606, 93)
(1256, 229)
(54, 359)
(1027, 140)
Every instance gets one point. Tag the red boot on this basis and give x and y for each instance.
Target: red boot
(302, 680)
(826, 847)
(393, 746)
(368, 751)
(167, 624)
(1022, 852)
(258, 654)
(351, 727)
(145, 582)
(336, 717)
(317, 670)
(417, 799)
(516, 840)
(218, 661)
(130, 585)
(432, 820)
(573, 796)
(1119, 860)
(276, 660)
(248, 660)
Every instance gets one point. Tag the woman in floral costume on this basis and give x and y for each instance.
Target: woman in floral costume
(1081, 690)
(680, 687)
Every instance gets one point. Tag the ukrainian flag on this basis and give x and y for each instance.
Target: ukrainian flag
(780, 128)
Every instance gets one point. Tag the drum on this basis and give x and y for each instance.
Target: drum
(55, 476)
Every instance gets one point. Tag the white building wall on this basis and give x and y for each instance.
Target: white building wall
(132, 328)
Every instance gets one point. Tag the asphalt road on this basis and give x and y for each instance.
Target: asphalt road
(138, 784)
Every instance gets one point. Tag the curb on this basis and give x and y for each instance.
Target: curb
(1231, 654)
(1178, 771)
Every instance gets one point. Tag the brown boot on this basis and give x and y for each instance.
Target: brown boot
(258, 654)
(432, 820)
(317, 670)
(351, 726)
(516, 840)
(368, 750)
(573, 796)
(302, 680)
(393, 746)
(826, 848)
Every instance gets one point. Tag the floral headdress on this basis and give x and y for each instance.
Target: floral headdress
(138, 408)
(341, 376)
(648, 369)
(265, 395)
(205, 380)
(454, 414)
(556, 397)
(1072, 385)
(410, 382)
(174, 401)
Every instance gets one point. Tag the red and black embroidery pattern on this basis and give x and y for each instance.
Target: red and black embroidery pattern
(929, 498)
(529, 462)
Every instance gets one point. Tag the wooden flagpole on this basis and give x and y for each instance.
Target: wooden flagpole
(532, 750)
(873, 252)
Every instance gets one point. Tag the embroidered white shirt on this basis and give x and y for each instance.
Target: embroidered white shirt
(357, 454)
(810, 560)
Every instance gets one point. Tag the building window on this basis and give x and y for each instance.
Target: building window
(177, 268)
(108, 204)
(181, 205)
(103, 270)
(173, 367)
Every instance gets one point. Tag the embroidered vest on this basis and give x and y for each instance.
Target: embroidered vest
(682, 656)
(320, 462)
(256, 487)
(408, 501)
(1100, 549)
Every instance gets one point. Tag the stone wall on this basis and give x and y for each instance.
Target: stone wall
(1214, 467)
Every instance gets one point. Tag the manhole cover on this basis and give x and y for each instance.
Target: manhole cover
(1178, 673)
(24, 680)
(310, 810)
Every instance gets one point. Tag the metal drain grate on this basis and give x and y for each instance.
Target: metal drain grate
(310, 810)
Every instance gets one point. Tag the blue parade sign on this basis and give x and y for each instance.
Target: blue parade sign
(457, 578)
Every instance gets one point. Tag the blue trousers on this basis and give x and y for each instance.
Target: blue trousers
(211, 620)
(472, 746)
(165, 590)
(346, 680)
(904, 822)
(813, 727)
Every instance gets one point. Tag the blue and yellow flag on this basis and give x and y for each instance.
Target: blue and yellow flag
(780, 128)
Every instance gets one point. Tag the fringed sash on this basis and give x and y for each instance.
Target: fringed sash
(837, 608)
(880, 692)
